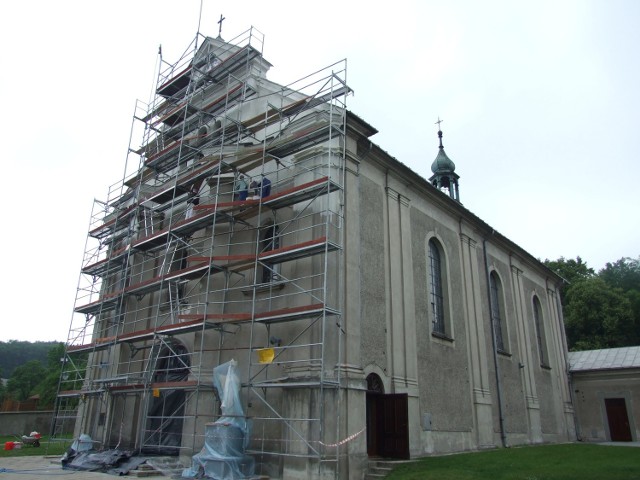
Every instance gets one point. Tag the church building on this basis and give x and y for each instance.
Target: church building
(350, 308)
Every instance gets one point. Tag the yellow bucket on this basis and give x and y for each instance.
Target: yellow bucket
(266, 355)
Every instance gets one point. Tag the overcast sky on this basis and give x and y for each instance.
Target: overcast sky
(540, 102)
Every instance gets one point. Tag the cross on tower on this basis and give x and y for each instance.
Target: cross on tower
(220, 23)
(439, 132)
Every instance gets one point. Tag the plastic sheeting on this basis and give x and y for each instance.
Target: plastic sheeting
(81, 456)
(226, 439)
(82, 444)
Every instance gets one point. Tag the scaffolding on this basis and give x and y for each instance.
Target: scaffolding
(225, 242)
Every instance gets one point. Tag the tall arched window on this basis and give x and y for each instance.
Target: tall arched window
(497, 309)
(538, 320)
(436, 290)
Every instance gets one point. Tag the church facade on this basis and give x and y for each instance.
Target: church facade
(365, 311)
(455, 316)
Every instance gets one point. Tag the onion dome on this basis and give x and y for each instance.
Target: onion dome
(444, 176)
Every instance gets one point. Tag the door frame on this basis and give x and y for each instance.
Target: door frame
(618, 420)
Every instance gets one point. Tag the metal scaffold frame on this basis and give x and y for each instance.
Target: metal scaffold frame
(189, 264)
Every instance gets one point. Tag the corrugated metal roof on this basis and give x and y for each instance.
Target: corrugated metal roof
(605, 359)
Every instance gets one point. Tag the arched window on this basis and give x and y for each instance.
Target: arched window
(374, 383)
(497, 310)
(437, 290)
(538, 320)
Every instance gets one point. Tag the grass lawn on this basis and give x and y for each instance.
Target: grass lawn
(45, 448)
(545, 462)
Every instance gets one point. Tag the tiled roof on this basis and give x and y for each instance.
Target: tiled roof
(606, 359)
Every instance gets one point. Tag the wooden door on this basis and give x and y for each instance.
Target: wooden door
(618, 420)
(388, 425)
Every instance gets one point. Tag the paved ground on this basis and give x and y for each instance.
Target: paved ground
(28, 468)
(39, 468)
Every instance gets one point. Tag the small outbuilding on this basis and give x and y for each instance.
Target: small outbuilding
(606, 388)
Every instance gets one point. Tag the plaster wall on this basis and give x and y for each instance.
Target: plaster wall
(590, 391)
(457, 406)
(373, 291)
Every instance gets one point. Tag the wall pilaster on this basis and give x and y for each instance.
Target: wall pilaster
(477, 342)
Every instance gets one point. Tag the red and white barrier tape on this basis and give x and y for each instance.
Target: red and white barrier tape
(342, 442)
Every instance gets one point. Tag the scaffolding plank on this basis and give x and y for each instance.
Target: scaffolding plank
(155, 283)
(293, 313)
(104, 304)
(273, 316)
(319, 100)
(175, 83)
(119, 222)
(222, 101)
(299, 250)
(300, 140)
(273, 115)
(216, 317)
(170, 153)
(173, 116)
(102, 266)
(139, 387)
(206, 264)
(80, 348)
(208, 213)
(78, 393)
(278, 255)
(289, 383)
(149, 285)
(142, 335)
(257, 123)
(182, 184)
(300, 193)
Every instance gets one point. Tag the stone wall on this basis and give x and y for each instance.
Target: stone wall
(23, 423)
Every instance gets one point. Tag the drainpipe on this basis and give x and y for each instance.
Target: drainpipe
(503, 436)
(571, 385)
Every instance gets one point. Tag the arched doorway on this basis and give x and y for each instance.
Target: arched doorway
(163, 431)
(387, 421)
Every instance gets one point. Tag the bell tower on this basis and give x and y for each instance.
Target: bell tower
(444, 176)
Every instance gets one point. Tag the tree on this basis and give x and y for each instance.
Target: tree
(47, 388)
(3, 391)
(24, 379)
(598, 316)
(17, 352)
(571, 270)
(623, 274)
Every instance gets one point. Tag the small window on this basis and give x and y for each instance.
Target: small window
(538, 320)
(497, 311)
(437, 291)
